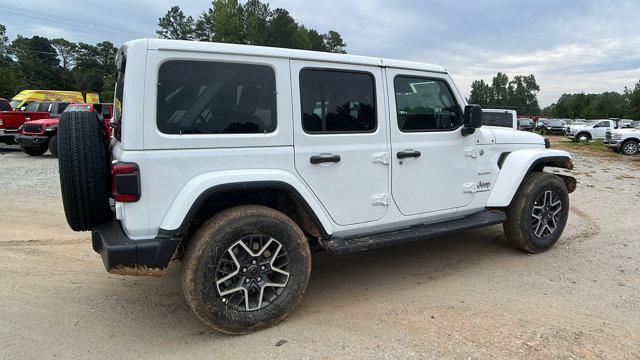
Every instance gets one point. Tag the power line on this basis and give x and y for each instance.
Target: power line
(69, 21)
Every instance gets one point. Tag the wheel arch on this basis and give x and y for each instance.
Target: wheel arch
(204, 196)
(517, 164)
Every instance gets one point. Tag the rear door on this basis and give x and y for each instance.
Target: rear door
(340, 138)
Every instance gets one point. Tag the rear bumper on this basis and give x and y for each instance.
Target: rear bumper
(7, 136)
(31, 140)
(122, 255)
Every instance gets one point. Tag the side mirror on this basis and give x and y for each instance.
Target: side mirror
(22, 108)
(472, 119)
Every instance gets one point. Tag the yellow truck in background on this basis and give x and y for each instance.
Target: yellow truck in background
(26, 97)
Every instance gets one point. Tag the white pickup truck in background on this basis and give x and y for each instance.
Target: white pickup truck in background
(595, 131)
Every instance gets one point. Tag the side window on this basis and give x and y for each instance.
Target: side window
(602, 124)
(497, 119)
(335, 101)
(32, 107)
(202, 97)
(424, 104)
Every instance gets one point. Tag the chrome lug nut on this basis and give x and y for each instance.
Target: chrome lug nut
(262, 268)
(259, 279)
(253, 262)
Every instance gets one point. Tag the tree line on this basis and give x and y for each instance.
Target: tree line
(55, 64)
(58, 64)
(597, 106)
(519, 94)
(253, 23)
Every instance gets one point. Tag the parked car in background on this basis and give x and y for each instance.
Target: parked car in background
(596, 131)
(11, 120)
(26, 97)
(552, 126)
(625, 141)
(54, 108)
(525, 124)
(500, 118)
(38, 136)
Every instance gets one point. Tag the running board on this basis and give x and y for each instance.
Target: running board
(482, 219)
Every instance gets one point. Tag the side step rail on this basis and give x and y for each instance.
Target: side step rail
(482, 219)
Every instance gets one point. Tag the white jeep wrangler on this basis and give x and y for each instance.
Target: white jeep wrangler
(241, 160)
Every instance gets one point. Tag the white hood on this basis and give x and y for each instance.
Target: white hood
(511, 136)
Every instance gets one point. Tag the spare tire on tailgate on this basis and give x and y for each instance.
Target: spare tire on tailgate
(83, 158)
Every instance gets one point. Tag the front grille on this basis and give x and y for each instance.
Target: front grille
(608, 135)
(32, 128)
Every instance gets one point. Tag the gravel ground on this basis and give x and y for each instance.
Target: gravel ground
(464, 296)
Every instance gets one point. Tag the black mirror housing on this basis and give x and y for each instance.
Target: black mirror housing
(472, 119)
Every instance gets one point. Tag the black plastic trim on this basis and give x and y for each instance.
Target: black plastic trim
(180, 231)
(342, 245)
(118, 251)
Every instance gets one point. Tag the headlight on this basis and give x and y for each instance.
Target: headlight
(615, 136)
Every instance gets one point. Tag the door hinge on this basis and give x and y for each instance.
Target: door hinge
(380, 158)
(380, 200)
(471, 152)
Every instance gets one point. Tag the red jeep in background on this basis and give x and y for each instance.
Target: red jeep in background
(10, 121)
(36, 136)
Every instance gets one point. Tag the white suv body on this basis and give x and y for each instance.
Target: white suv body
(240, 160)
(177, 169)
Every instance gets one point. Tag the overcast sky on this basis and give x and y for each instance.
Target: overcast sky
(569, 45)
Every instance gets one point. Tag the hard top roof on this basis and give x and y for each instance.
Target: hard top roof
(249, 50)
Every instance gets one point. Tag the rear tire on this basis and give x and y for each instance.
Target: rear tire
(53, 145)
(630, 147)
(34, 150)
(84, 170)
(217, 268)
(538, 213)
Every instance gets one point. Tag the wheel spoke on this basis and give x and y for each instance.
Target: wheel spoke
(248, 268)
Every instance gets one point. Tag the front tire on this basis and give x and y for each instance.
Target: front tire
(53, 146)
(245, 269)
(34, 150)
(538, 213)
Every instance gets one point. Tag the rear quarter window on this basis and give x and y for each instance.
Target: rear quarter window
(204, 97)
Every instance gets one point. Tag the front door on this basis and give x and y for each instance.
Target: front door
(340, 138)
(433, 164)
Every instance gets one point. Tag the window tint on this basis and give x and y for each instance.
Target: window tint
(337, 101)
(425, 105)
(33, 107)
(497, 119)
(602, 124)
(198, 97)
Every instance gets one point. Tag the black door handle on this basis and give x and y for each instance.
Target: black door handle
(319, 159)
(408, 153)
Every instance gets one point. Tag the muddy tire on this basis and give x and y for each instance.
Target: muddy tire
(245, 269)
(83, 161)
(34, 150)
(630, 147)
(538, 213)
(53, 145)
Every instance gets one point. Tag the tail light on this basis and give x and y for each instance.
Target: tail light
(125, 182)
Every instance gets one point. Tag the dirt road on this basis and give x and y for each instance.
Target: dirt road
(465, 296)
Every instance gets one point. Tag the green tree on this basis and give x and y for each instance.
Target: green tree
(227, 20)
(38, 62)
(334, 43)
(176, 25)
(5, 47)
(67, 53)
(282, 30)
(633, 107)
(481, 93)
(257, 15)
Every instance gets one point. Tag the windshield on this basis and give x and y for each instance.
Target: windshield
(526, 122)
(555, 123)
(15, 103)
